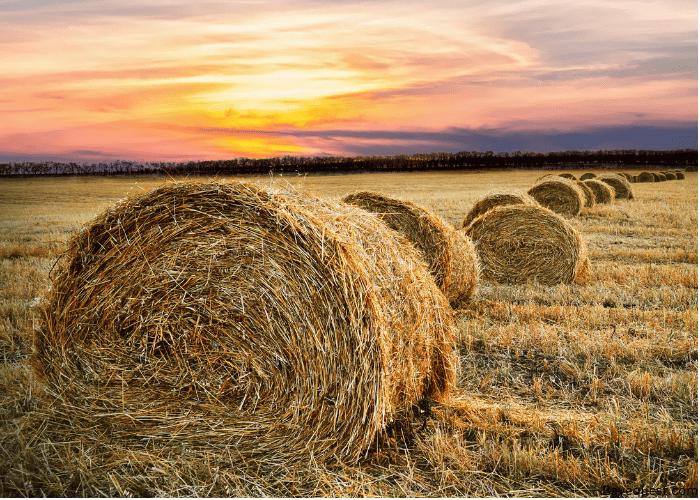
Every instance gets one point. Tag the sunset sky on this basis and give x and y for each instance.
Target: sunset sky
(162, 80)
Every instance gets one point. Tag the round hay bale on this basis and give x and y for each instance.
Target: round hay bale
(449, 254)
(623, 189)
(670, 176)
(226, 318)
(680, 175)
(520, 243)
(588, 193)
(603, 193)
(569, 176)
(657, 177)
(559, 195)
(634, 179)
(662, 177)
(625, 175)
(587, 175)
(497, 198)
(645, 177)
(691, 168)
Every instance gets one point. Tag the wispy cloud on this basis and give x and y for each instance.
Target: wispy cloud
(165, 67)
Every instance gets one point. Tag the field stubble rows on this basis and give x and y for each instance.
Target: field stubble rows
(564, 390)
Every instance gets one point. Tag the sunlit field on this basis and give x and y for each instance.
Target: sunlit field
(571, 390)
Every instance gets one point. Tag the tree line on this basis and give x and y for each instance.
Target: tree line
(463, 160)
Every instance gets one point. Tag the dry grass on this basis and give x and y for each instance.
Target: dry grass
(565, 390)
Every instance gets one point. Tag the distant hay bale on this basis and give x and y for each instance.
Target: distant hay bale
(497, 198)
(588, 193)
(657, 177)
(645, 177)
(680, 175)
(587, 175)
(691, 168)
(449, 254)
(567, 175)
(634, 179)
(625, 175)
(623, 189)
(603, 193)
(662, 177)
(220, 317)
(519, 243)
(560, 195)
(670, 176)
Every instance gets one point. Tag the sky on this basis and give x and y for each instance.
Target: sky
(168, 80)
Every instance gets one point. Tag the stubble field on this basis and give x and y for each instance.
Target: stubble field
(570, 390)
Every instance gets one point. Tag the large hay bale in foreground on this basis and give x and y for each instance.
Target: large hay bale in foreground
(559, 195)
(588, 193)
(587, 175)
(519, 243)
(449, 253)
(623, 189)
(603, 192)
(221, 316)
(645, 177)
(497, 198)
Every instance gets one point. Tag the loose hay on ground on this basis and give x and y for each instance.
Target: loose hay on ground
(623, 189)
(269, 327)
(518, 244)
(497, 198)
(560, 195)
(449, 253)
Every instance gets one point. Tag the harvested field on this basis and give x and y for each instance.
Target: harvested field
(448, 253)
(581, 389)
(562, 196)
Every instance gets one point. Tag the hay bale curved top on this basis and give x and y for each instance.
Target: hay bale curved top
(603, 192)
(680, 175)
(497, 198)
(645, 177)
(559, 195)
(567, 175)
(587, 175)
(520, 243)
(662, 177)
(625, 175)
(623, 189)
(274, 325)
(449, 253)
(657, 177)
(588, 193)
(670, 176)
(691, 168)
